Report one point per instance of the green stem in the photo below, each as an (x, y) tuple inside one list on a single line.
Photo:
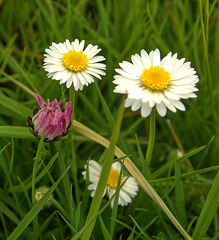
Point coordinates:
[(72, 99), (151, 138)]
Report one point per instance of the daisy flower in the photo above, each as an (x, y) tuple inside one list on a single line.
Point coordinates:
[(127, 191), (149, 81), (70, 63)]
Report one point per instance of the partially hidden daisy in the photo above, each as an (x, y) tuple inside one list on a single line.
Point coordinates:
[(70, 63), (150, 81), (128, 190)]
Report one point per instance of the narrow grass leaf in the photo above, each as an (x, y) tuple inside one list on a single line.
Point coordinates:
[(78, 216), (25, 193), (104, 175), (98, 117), (208, 211), (15, 132), (172, 163), (105, 232), (109, 115), (39, 176), (145, 168), (21, 85), (35, 210), (139, 228), (4, 147), (15, 106), (131, 236), (179, 195), (10, 214), (15, 196), (191, 223), (106, 109), (25, 75), (205, 152), (69, 225), (185, 175), (61, 164)]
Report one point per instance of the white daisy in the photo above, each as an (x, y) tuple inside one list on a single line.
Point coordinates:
[(70, 63), (127, 191), (149, 81)]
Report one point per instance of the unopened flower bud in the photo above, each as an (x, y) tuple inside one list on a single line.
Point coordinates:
[(40, 192), (51, 118)]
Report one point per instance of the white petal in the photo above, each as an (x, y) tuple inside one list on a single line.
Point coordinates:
[(178, 105), (129, 68), (161, 109), (145, 110), (136, 105), (156, 58), (69, 83), (137, 61), (145, 58), (128, 102)]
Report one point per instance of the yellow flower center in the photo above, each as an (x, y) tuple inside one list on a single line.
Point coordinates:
[(155, 78), (113, 178), (75, 61)]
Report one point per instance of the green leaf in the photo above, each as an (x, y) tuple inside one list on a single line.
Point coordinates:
[(131, 236), (15, 106), (105, 232), (172, 163), (139, 228), (5, 210), (208, 211), (77, 216), (15, 132), (179, 195), (104, 175), (35, 210)]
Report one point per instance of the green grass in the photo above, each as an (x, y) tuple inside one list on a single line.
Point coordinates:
[(178, 193)]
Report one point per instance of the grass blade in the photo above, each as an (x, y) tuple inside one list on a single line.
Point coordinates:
[(208, 211), (35, 210)]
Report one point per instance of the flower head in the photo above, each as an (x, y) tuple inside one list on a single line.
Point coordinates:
[(149, 81), (40, 192), (128, 190), (51, 119), (70, 63)]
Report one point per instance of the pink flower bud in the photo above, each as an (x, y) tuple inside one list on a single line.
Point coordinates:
[(51, 119)]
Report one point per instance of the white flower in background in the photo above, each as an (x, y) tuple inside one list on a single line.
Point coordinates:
[(70, 63), (127, 191), (149, 81)]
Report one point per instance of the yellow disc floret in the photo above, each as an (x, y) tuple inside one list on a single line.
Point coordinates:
[(155, 78), (113, 178), (75, 61)]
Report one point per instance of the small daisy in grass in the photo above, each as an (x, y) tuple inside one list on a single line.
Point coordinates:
[(70, 63), (149, 81), (127, 191)]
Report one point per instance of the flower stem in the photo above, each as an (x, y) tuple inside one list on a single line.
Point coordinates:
[(151, 138), (72, 99)]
